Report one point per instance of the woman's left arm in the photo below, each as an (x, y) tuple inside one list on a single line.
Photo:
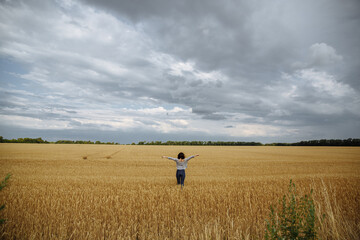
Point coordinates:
[(187, 159)]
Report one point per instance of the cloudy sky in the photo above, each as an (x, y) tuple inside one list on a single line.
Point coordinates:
[(127, 71)]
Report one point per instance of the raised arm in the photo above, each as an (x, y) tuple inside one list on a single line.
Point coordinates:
[(187, 159), (170, 158)]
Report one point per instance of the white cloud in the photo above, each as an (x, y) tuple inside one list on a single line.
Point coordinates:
[(194, 76), (178, 68), (323, 54), (33, 123), (315, 82), (323, 82), (319, 55), (258, 130), (156, 111), (179, 122)]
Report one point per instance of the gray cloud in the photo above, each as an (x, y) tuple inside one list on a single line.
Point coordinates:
[(283, 65)]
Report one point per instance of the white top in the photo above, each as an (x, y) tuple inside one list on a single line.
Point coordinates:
[(181, 165)]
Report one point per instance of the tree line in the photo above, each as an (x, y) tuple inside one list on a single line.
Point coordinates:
[(322, 142), (40, 140), (22, 140), (83, 142), (201, 143)]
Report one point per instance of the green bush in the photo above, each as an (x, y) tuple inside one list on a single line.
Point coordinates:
[(2, 185), (293, 218)]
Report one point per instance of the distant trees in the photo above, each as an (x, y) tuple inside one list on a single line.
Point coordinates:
[(330, 142), (201, 143), (83, 142), (40, 140), (22, 140), (73, 142), (322, 142)]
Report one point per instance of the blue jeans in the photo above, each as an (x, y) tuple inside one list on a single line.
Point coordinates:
[(180, 177)]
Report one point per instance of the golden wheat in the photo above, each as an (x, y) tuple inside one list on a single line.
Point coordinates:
[(130, 192)]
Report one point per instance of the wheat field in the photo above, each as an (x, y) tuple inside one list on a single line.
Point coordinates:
[(130, 192)]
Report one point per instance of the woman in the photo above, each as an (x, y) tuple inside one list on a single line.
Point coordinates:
[(181, 165)]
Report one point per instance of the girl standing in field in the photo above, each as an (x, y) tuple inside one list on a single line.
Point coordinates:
[(181, 165)]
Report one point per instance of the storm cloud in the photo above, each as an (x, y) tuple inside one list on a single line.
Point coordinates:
[(199, 70)]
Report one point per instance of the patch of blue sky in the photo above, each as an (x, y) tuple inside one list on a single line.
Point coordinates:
[(11, 77), (10, 74)]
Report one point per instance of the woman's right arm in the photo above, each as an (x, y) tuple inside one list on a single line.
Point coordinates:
[(170, 158)]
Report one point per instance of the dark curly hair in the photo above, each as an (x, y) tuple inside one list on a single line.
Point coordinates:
[(181, 155)]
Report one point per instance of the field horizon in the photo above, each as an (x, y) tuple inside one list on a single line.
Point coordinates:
[(130, 192)]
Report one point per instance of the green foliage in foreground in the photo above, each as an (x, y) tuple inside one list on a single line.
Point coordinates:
[(2, 185), (293, 218)]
